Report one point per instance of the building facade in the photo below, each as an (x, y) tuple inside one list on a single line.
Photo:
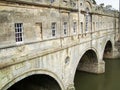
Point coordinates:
[(53, 35), (41, 20)]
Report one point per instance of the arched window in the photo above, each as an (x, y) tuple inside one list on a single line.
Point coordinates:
[(87, 19)]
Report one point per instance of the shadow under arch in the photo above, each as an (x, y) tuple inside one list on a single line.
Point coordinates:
[(108, 50), (88, 62), (35, 76)]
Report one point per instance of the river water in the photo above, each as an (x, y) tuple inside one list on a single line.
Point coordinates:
[(110, 80)]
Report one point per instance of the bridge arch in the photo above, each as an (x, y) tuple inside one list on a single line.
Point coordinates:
[(88, 61), (82, 53), (34, 73), (108, 49)]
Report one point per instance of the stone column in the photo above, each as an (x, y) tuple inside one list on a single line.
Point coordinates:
[(101, 67), (116, 52), (70, 87)]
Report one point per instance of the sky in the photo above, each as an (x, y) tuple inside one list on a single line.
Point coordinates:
[(114, 3)]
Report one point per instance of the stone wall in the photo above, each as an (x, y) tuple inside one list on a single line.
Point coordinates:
[(42, 53)]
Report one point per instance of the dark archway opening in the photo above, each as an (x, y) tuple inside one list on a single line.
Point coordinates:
[(108, 50), (36, 82), (88, 63)]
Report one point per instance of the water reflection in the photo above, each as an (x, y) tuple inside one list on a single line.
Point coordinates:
[(110, 80)]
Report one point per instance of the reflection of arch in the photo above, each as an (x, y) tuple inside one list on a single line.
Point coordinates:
[(34, 72), (108, 49)]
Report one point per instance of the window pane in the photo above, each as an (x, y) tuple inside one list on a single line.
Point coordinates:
[(18, 31), (74, 26), (53, 27), (65, 28)]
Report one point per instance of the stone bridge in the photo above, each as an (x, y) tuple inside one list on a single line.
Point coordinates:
[(59, 62), (54, 59)]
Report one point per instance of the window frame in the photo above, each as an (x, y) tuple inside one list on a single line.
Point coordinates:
[(81, 27), (74, 27), (53, 28), (18, 32), (65, 27)]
